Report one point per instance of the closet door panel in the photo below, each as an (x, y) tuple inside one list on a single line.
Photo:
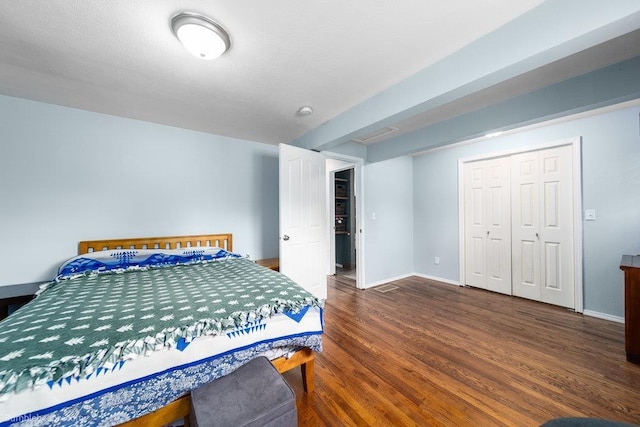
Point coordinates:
[(552, 261), (475, 225), (525, 221), (478, 261), (528, 263), (499, 225), (488, 225), (556, 233)]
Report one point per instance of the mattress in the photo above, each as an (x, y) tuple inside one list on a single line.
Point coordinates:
[(207, 317)]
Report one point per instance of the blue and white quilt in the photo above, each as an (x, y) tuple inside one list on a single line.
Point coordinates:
[(115, 325)]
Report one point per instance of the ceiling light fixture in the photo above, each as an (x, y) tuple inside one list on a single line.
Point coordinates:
[(200, 35)]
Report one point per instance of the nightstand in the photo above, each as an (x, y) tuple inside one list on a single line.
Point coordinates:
[(14, 296), (272, 263)]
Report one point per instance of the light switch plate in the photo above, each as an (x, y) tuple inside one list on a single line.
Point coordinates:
[(590, 215)]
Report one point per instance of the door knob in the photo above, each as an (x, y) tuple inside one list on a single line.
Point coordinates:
[(285, 238)]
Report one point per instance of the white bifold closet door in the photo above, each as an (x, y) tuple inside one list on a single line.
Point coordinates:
[(488, 224), (519, 227), (542, 226)]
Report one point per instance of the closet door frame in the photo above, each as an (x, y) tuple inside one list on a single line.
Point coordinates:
[(576, 148)]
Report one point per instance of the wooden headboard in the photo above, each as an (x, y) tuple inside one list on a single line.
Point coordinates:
[(223, 241)]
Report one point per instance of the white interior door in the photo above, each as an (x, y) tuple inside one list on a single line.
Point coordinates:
[(526, 221), (543, 253), (303, 219), (499, 225), (556, 215), (488, 224), (475, 224)]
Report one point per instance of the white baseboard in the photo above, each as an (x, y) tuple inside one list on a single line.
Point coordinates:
[(590, 313), (437, 279), (404, 276), (382, 282), (604, 316)]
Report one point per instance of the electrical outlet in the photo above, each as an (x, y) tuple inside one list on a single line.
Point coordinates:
[(436, 260)]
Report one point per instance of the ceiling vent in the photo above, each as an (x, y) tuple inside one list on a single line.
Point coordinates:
[(376, 135)]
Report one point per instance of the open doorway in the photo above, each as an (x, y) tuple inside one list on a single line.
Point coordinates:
[(346, 253), (345, 224)]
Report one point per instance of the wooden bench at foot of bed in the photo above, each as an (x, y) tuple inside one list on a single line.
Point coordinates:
[(181, 407)]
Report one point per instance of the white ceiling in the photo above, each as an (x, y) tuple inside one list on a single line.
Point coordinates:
[(120, 57)]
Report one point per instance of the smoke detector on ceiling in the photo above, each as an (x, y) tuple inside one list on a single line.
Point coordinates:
[(305, 111)]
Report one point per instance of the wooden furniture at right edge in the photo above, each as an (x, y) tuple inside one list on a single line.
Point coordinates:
[(631, 266)]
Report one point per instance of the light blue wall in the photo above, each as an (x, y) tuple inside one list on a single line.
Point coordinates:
[(388, 192), (68, 175), (611, 186)]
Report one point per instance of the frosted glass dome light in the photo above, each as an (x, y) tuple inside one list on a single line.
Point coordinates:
[(200, 35)]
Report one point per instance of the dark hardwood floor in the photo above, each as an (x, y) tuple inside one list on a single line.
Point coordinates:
[(429, 353)]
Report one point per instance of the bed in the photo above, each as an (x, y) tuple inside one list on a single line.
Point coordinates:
[(130, 326)]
